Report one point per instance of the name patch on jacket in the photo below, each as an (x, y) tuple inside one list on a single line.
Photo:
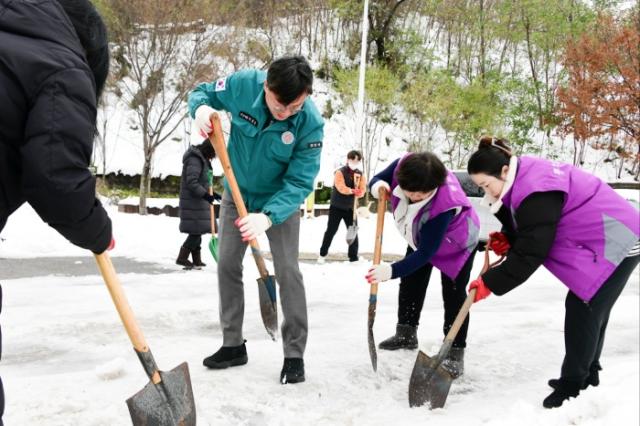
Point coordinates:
[(248, 118), (315, 144)]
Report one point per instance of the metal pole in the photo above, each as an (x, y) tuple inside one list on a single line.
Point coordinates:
[(363, 64)]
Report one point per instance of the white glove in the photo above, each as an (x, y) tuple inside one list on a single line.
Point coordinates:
[(379, 273), (375, 189), (203, 119), (253, 225)]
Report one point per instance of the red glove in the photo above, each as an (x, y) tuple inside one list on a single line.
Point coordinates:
[(482, 291), (499, 243), (358, 192)]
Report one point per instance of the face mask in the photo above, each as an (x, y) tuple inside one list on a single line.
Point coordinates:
[(353, 166)]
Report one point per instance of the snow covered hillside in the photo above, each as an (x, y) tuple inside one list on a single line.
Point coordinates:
[(67, 360)]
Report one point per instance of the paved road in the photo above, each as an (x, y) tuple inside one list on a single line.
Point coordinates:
[(74, 267)]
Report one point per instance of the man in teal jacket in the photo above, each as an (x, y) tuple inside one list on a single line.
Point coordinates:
[(274, 147)]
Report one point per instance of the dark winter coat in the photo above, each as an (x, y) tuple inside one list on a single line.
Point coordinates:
[(195, 217), (47, 122)]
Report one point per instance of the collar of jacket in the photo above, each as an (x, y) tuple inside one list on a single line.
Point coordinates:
[(494, 204)]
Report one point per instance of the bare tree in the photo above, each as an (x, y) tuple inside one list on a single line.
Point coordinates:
[(162, 50)]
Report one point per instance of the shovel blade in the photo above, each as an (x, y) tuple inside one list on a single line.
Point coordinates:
[(352, 233), (430, 382), (167, 403), (373, 354), (213, 247), (268, 304)]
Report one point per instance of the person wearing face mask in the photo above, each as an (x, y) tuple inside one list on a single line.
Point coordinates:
[(579, 228), (54, 61), (433, 214), (274, 148), (342, 199)]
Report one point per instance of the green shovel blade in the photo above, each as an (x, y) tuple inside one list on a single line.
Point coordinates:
[(213, 247)]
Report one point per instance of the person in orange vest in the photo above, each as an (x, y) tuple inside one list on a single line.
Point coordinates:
[(342, 197)]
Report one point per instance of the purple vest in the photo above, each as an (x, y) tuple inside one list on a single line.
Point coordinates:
[(597, 227), (460, 238)]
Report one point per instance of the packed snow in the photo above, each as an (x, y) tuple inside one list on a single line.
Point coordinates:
[(67, 359)]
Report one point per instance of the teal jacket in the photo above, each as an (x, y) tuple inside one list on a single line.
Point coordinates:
[(275, 162)]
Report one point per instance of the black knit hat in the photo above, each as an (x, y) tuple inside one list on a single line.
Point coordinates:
[(92, 33)]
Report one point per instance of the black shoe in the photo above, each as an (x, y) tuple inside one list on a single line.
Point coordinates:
[(292, 371), (406, 337), (183, 258), (592, 380), (563, 392), (227, 356), (197, 259), (454, 362)]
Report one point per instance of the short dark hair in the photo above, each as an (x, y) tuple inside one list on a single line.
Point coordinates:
[(353, 154), (289, 77), (421, 172), (492, 155), (92, 33)]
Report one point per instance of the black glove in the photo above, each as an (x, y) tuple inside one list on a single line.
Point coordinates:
[(211, 198)]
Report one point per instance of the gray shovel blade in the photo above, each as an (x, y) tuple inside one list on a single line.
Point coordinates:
[(373, 354), (352, 233), (430, 382), (168, 403), (268, 304)]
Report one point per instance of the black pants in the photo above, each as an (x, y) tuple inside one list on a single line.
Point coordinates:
[(585, 324), (193, 242), (335, 216), (413, 289)]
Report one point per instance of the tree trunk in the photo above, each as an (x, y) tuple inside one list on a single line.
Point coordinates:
[(145, 184)]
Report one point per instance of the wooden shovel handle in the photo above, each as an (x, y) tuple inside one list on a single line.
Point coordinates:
[(120, 301), (377, 250), (464, 310), (217, 140), (124, 310)]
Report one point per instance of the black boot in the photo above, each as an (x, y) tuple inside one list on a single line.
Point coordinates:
[(406, 337), (592, 380), (197, 260), (292, 371), (183, 258), (227, 356), (454, 362), (564, 390)]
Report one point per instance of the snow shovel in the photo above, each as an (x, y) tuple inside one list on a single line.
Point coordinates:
[(373, 293), (266, 282), (430, 381), (167, 400), (352, 231), (213, 244)]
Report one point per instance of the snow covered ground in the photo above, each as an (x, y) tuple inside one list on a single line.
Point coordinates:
[(67, 360)]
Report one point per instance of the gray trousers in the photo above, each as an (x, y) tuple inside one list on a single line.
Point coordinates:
[(284, 242)]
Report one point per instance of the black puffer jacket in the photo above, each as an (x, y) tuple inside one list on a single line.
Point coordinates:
[(194, 210), (47, 122)]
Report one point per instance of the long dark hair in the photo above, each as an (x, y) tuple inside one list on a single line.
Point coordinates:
[(492, 155), (421, 172)]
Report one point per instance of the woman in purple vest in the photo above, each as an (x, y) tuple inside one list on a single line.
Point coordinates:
[(436, 219), (581, 230)]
